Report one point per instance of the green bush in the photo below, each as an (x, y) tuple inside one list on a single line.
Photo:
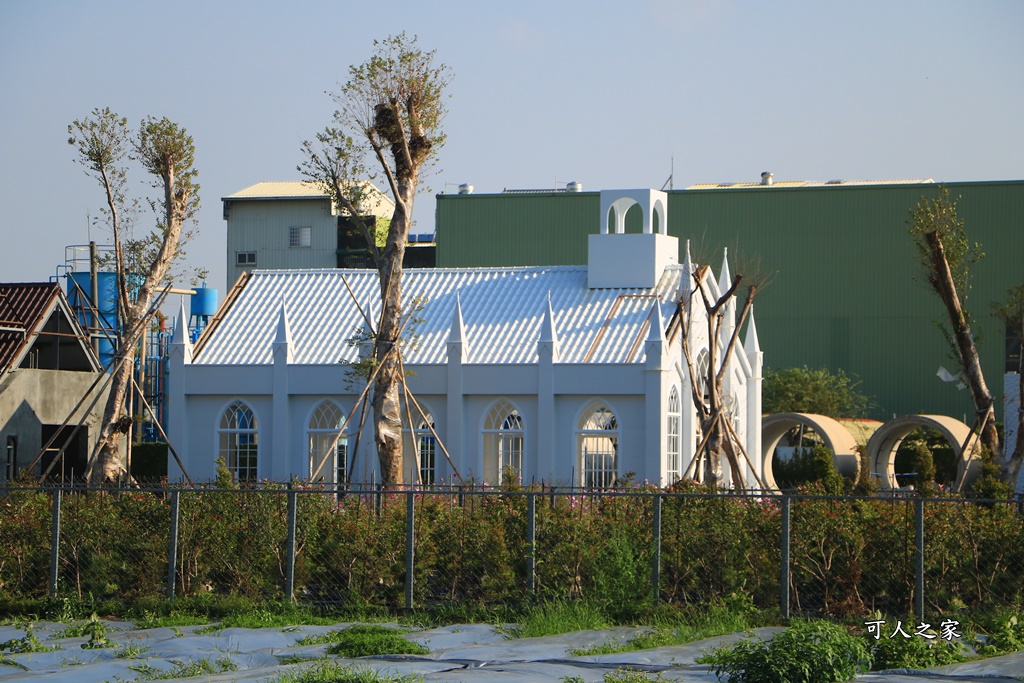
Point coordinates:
[(806, 652)]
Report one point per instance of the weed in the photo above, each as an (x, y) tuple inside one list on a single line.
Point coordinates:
[(198, 667), (329, 672), (10, 661), (912, 653), (553, 618), (97, 632), (131, 651), (28, 643), (73, 661), (806, 652), (371, 640), (630, 676)]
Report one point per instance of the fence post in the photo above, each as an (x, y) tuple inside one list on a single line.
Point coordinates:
[(55, 543), (410, 546), (784, 562), (289, 571), (919, 559), (656, 559), (531, 543), (172, 549)]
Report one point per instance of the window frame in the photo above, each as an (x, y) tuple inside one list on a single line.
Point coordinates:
[(504, 440), (231, 438), (598, 469), (326, 427), (300, 237)]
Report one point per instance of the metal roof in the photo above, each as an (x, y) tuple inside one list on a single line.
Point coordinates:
[(280, 190), (502, 311), (25, 307), (809, 183)]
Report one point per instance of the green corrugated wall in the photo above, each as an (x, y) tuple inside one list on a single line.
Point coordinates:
[(843, 294)]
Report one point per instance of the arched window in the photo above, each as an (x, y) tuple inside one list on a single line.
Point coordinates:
[(423, 443), (703, 365), (238, 441), (598, 446), (503, 442), (328, 445), (672, 429)]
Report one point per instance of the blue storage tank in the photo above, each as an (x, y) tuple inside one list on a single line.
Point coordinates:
[(203, 307), (80, 297)]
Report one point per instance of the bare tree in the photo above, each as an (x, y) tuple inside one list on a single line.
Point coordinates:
[(1011, 312), (718, 437), (946, 255), (165, 151), (389, 117)]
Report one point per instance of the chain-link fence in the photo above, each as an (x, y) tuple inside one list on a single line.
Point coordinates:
[(408, 549)]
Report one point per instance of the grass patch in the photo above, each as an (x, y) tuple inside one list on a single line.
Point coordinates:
[(199, 667), (131, 651), (679, 627), (371, 640), (329, 672), (553, 618)]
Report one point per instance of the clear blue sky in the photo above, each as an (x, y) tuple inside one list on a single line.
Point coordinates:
[(543, 93)]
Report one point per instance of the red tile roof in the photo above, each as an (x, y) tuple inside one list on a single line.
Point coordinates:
[(23, 306)]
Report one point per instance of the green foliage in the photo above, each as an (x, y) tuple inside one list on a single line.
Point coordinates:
[(915, 652), (553, 618), (330, 672), (915, 455), (990, 483), (821, 391), (815, 464), (372, 640), (131, 650), (190, 669), (806, 652), (26, 644), (97, 632), (939, 216), (1006, 636)]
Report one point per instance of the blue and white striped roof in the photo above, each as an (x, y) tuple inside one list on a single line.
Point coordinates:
[(502, 310)]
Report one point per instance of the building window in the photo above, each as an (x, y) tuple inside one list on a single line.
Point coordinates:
[(328, 445), (238, 441), (703, 367), (245, 258), (12, 458), (598, 446), (672, 429), (503, 442), (423, 443), (300, 237)]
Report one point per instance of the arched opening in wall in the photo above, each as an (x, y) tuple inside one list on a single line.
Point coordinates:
[(925, 460), (887, 441), (635, 219), (673, 430)]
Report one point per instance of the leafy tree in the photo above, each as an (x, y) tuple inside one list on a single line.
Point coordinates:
[(947, 255), (821, 391), (389, 115), (166, 151)]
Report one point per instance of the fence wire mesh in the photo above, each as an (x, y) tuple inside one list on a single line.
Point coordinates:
[(803, 554)]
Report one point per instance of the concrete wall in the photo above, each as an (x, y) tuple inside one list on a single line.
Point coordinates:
[(32, 398)]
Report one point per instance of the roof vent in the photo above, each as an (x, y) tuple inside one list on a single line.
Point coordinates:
[(465, 188), (574, 186), (766, 178)]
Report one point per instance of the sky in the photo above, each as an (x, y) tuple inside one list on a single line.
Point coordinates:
[(608, 94)]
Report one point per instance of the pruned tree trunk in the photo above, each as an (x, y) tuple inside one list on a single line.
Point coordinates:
[(387, 416), (942, 281)]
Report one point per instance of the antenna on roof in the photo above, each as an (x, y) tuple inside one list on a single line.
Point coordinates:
[(671, 176)]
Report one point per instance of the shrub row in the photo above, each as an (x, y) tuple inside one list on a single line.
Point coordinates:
[(847, 556)]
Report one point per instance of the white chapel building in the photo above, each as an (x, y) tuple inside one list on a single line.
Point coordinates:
[(566, 375)]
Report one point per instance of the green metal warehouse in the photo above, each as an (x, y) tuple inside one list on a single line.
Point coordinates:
[(845, 293)]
